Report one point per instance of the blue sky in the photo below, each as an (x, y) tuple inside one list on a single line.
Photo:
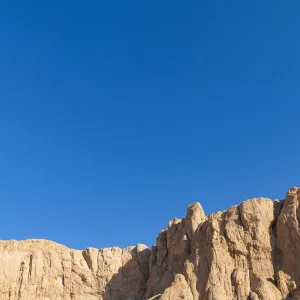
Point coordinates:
[(115, 115)]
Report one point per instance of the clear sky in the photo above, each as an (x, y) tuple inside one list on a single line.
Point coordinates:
[(115, 115)]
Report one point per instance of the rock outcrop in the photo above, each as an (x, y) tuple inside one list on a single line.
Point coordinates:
[(248, 252), (44, 270)]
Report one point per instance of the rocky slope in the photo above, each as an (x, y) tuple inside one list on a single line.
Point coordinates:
[(250, 251)]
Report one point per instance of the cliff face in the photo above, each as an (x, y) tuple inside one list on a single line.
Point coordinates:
[(250, 251), (44, 270)]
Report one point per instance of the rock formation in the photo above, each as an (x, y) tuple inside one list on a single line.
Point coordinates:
[(44, 270), (248, 252)]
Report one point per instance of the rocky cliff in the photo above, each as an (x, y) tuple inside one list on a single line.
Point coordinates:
[(250, 251)]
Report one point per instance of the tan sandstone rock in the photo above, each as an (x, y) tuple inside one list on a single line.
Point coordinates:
[(248, 252), (44, 270)]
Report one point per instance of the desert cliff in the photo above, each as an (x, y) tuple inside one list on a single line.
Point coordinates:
[(250, 251)]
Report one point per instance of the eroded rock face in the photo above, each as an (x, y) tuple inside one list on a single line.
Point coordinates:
[(44, 270), (250, 251)]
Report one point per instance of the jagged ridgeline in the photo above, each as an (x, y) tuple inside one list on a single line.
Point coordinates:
[(250, 251)]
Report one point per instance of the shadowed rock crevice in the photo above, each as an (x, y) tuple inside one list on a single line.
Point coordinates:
[(129, 283)]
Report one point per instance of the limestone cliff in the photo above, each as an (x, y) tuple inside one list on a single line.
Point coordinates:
[(248, 252)]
